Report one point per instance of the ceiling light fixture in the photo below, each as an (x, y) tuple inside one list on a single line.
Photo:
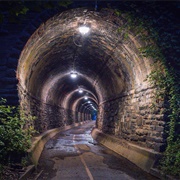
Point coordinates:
[(73, 75), (85, 97), (80, 90), (84, 29)]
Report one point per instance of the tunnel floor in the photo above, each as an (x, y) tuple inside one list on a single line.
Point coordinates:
[(74, 155)]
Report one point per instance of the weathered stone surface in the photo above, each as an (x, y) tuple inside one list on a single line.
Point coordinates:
[(139, 125), (108, 66), (159, 147), (159, 128)]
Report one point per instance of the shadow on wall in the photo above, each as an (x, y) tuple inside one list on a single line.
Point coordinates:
[(48, 116)]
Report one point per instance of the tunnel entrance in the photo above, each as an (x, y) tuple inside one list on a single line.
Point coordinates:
[(110, 72)]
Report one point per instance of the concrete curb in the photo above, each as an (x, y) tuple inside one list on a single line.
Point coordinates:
[(142, 157), (39, 142)]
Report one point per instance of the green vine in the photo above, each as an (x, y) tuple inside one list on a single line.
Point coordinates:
[(165, 77), (15, 10), (16, 131)]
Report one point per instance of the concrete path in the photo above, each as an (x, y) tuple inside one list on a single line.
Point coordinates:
[(74, 155)]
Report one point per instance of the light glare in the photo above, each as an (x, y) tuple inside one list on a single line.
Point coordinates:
[(85, 97), (84, 29), (80, 91), (73, 75)]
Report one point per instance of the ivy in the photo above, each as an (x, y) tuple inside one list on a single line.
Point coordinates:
[(64, 3), (167, 89), (16, 131), (14, 9), (164, 77)]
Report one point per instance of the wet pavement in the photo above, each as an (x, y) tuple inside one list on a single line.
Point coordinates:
[(74, 155)]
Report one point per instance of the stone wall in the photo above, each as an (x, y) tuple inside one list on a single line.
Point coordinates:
[(132, 118), (48, 116), (13, 37), (128, 116)]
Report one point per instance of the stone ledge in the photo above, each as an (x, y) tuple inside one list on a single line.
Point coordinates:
[(142, 157), (39, 142)]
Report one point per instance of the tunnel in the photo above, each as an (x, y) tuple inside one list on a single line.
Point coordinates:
[(110, 71), (101, 72)]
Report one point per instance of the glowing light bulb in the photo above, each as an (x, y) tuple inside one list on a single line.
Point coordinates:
[(73, 75), (80, 90), (85, 97), (84, 29)]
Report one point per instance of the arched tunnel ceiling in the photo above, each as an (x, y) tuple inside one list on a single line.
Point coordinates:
[(106, 64)]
